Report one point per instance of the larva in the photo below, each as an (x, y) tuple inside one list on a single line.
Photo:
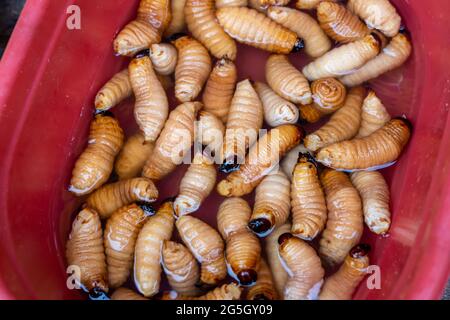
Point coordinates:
[(345, 218), (310, 4), (210, 131), (164, 58), (192, 70), (305, 267), (250, 27), (393, 56), (117, 89), (181, 268), (378, 14), (380, 148), (178, 22), (342, 284), (328, 95), (374, 193), (286, 80), (310, 113), (151, 106), (262, 158), (290, 160), (225, 292), (147, 264), (233, 216), (306, 28), (272, 204), (206, 245), (126, 294), (374, 115), (113, 196), (203, 25), (219, 89), (343, 60), (231, 3), (120, 235), (95, 164), (152, 19), (277, 111), (196, 185), (174, 141), (132, 157), (309, 209), (264, 287), (343, 125), (85, 250)]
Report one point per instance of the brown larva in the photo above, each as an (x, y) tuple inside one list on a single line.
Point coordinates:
[(310, 113), (210, 131), (230, 3), (132, 157), (178, 22), (374, 115), (117, 89), (309, 4), (264, 288), (225, 292), (164, 58), (328, 95), (126, 294), (290, 160)]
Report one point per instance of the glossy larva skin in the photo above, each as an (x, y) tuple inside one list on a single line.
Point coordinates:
[(126, 294), (117, 89), (225, 292), (111, 197), (328, 95), (95, 164), (233, 216), (230, 3), (286, 80), (132, 157), (85, 250), (210, 131), (264, 288), (290, 160), (374, 115), (178, 22), (310, 4), (310, 113), (164, 58)]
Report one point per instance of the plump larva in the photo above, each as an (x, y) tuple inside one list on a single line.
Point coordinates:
[(132, 157), (328, 95), (342, 284), (225, 292), (272, 203), (392, 57), (378, 14), (290, 160), (117, 89), (340, 23), (192, 70), (374, 193), (250, 27), (126, 294), (374, 115), (277, 111), (306, 28), (345, 217), (174, 141), (343, 125), (95, 164), (305, 267), (147, 261), (210, 131), (196, 185), (113, 196), (263, 5), (233, 216), (151, 107), (286, 80), (230, 3), (219, 89), (181, 268), (309, 209), (310, 113), (178, 22), (378, 149), (206, 245), (343, 60), (152, 19), (120, 235), (203, 25), (264, 288), (309, 4), (85, 250), (262, 158), (164, 58)]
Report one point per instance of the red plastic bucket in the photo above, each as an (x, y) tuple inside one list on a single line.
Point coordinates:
[(50, 75)]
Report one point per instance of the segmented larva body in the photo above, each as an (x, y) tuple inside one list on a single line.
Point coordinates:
[(277, 111), (374, 115), (374, 193), (178, 22), (174, 141), (132, 157), (192, 70), (310, 4), (286, 80), (203, 25), (147, 261), (250, 27), (345, 217), (152, 19), (306, 28), (231, 3), (126, 294), (219, 89), (290, 160), (378, 14), (181, 268), (233, 216), (343, 125), (210, 131), (263, 5), (264, 287), (262, 158), (151, 107), (113, 196), (85, 250), (95, 164), (342, 284), (206, 245), (164, 58), (196, 185), (117, 89), (328, 95), (225, 292), (343, 60), (120, 236), (310, 113), (392, 56), (303, 262), (380, 148)]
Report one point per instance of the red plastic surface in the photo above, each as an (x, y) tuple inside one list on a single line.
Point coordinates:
[(50, 75)]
